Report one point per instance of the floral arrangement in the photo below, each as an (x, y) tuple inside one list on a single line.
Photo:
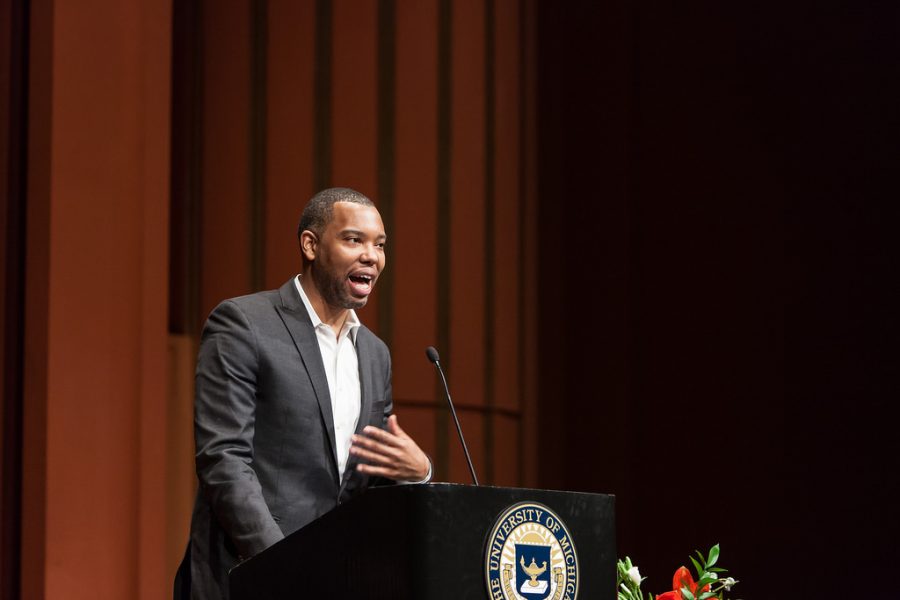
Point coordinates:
[(684, 587)]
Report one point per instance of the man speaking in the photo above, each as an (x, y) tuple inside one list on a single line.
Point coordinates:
[(293, 399)]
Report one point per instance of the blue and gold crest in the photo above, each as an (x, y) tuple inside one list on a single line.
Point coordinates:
[(532, 570), (530, 555)]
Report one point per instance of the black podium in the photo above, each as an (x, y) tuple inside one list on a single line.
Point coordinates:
[(444, 541)]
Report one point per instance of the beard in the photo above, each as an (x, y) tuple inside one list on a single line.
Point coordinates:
[(334, 292)]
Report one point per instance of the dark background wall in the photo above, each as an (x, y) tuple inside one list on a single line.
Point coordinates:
[(718, 218), (670, 225), (12, 167)]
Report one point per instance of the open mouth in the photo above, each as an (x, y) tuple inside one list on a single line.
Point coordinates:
[(361, 283)]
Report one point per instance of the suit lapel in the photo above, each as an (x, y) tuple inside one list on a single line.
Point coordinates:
[(294, 316), (366, 392), (365, 398)]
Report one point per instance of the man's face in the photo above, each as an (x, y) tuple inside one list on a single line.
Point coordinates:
[(349, 255)]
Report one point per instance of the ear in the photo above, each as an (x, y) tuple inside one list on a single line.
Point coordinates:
[(308, 245)]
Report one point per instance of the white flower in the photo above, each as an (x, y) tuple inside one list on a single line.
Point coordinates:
[(728, 582), (635, 575)]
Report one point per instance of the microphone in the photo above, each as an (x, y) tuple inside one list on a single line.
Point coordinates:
[(432, 355)]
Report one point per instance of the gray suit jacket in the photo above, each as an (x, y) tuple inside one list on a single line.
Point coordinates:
[(265, 433)]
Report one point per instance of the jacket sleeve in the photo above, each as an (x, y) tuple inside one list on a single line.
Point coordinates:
[(224, 418)]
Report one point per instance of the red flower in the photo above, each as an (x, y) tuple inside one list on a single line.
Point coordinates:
[(682, 579)]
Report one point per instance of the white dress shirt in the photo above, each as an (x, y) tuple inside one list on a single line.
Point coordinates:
[(342, 371)]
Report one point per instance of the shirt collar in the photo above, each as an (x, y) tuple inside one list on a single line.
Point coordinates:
[(351, 324)]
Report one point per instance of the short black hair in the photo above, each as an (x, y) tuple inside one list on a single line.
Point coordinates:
[(320, 208)]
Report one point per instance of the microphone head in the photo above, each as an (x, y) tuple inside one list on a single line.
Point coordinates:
[(432, 354)]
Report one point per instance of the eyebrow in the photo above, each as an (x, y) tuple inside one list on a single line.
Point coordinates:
[(360, 233)]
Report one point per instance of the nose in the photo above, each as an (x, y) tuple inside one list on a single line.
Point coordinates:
[(369, 254)]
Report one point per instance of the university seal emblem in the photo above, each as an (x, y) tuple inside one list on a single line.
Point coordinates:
[(530, 555)]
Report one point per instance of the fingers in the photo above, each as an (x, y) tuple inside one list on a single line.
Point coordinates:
[(394, 427), (375, 454), (378, 471), (385, 465), (377, 441), (391, 453), (379, 435), (366, 447)]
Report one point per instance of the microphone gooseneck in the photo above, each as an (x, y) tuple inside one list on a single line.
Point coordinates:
[(434, 358)]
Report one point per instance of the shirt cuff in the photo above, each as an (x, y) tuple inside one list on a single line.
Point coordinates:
[(427, 477)]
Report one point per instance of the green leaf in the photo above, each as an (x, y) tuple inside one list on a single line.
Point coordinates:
[(718, 570), (626, 594), (697, 566), (686, 594), (706, 595), (713, 555)]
